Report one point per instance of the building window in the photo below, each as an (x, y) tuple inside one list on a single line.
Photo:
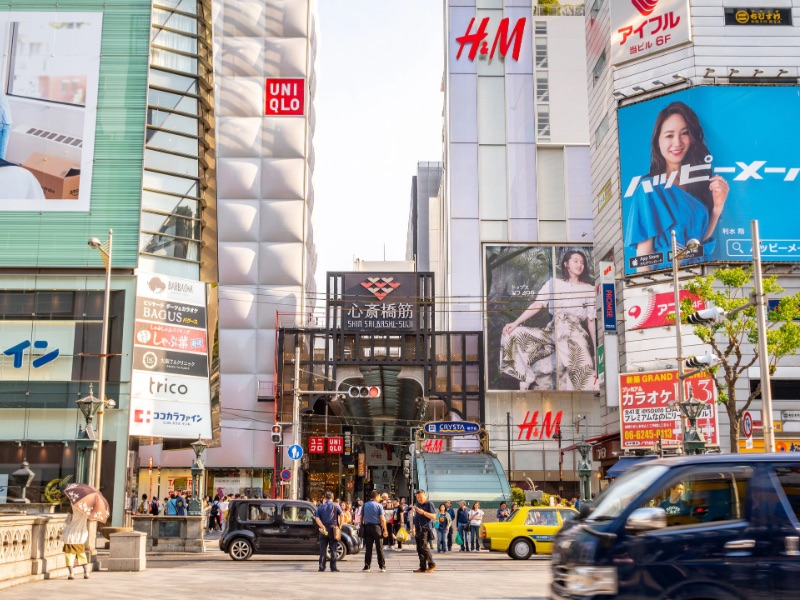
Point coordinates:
[(542, 86), (596, 8), (540, 28), (541, 52), (543, 121), (599, 66)]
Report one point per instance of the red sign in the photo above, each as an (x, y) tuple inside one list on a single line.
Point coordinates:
[(335, 445), (648, 406), (170, 337), (316, 445), (433, 445), (652, 310), (285, 97), (477, 41), (531, 428), (362, 464)]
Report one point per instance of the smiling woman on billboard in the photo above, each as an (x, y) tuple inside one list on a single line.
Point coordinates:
[(674, 198)]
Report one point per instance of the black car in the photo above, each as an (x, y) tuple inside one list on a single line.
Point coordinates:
[(278, 527), (710, 527)]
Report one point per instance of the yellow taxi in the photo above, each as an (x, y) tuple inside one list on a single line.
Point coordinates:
[(529, 530)]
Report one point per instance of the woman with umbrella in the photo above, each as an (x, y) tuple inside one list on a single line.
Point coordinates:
[(87, 504)]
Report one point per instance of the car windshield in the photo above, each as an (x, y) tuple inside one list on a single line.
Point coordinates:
[(624, 490)]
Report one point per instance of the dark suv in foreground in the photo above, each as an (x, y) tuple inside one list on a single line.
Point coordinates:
[(277, 527), (710, 527)]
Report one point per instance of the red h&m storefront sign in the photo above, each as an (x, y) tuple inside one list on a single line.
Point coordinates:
[(478, 43), (285, 97)]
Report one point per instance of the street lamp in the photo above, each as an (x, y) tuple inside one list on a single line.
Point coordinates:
[(585, 470), (105, 253), (693, 442), (196, 504), (557, 436), (86, 443), (677, 256)]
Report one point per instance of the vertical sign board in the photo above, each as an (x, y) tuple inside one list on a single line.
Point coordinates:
[(649, 412), (170, 396), (608, 298), (380, 301), (642, 27), (285, 97)]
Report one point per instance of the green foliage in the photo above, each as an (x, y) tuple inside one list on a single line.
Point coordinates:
[(731, 289), (518, 495), (544, 501)]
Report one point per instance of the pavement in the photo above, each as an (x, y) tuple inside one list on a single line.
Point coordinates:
[(477, 576)]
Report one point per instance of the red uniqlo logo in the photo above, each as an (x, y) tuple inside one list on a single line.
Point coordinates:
[(335, 445), (285, 97), (316, 445)]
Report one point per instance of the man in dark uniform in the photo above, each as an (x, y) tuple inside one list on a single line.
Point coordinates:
[(422, 530), (328, 516)]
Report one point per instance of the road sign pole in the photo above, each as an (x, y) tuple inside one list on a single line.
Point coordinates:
[(296, 436)]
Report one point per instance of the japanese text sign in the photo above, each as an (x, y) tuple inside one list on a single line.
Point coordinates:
[(380, 301), (285, 97), (335, 445), (652, 309), (649, 410), (316, 445), (642, 27)]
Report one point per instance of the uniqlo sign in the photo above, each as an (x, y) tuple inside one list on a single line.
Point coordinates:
[(285, 97), (316, 445), (643, 27), (335, 445)]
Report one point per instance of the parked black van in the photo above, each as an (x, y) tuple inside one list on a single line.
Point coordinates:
[(278, 527), (708, 527)]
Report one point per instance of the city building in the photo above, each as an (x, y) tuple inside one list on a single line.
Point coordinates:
[(514, 208), (710, 67)]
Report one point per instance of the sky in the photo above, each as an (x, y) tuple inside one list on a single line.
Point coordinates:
[(379, 112)]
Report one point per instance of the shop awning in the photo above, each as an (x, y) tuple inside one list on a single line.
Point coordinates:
[(625, 463)]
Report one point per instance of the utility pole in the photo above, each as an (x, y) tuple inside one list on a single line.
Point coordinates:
[(294, 484), (763, 356), (508, 445)]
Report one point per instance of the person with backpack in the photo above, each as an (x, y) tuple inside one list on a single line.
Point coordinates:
[(143, 505), (154, 507), (180, 505), (214, 519)]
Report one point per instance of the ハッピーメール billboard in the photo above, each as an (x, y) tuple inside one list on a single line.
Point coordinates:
[(540, 318), (704, 162), (48, 109)]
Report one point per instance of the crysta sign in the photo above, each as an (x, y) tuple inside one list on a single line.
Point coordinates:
[(452, 428), (479, 44)]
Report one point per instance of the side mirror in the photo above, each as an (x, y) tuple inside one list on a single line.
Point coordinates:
[(585, 509), (646, 519)]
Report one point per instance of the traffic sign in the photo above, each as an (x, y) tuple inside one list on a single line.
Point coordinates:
[(286, 474), (747, 425), (295, 451)]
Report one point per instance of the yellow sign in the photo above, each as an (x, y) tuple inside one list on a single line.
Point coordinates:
[(742, 16), (782, 445)]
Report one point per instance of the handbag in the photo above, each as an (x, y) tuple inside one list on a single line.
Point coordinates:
[(459, 539), (337, 533)]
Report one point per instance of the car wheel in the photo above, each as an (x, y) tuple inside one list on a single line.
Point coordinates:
[(341, 551), (520, 549), (240, 549)]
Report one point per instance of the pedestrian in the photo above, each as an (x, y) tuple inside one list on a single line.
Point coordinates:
[(347, 515), (74, 536), (475, 520), (329, 515), (422, 529), (180, 505), (172, 506), (451, 531), (164, 506), (375, 530), (399, 521), (143, 505), (388, 507), (223, 510), (462, 524), (514, 506), (358, 513), (155, 508), (502, 512), (443, 522)]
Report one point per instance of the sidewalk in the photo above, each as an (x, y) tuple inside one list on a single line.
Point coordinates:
[(214, 574)]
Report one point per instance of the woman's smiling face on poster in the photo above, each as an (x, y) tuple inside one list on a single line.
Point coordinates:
[(674, 141), (575, 265)]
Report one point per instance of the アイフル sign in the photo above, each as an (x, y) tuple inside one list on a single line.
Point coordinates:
[(643, 27)]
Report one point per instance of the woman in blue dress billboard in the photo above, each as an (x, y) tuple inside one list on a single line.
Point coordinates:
[(679, 193)]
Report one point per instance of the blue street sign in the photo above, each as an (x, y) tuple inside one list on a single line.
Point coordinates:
[(452, 428), (286, 475), (295, 451)]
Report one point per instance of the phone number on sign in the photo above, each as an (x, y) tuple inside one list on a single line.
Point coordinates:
[(648, 434)]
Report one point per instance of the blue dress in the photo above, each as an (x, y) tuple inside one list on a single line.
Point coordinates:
[(656, 214)]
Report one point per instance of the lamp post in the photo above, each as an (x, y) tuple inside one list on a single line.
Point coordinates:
[(198, 468), (105, 252), (693, 442), (557, 436), (677, 256), (87, 440)]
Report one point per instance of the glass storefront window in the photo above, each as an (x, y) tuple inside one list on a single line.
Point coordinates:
[(170, 162)]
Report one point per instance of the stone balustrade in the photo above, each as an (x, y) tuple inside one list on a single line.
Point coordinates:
[(30, 546), (170, 533)]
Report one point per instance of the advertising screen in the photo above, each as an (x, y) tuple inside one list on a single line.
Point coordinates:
[(540, 318), (649, 412), (705, 162), (48, 109)]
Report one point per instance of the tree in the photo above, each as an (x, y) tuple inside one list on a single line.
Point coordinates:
[(729, 336)]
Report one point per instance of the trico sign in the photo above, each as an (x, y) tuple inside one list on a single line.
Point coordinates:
[(479, 45)]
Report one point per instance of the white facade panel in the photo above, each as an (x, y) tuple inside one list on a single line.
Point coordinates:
[(239, 96), (281, 264), (239, 178), (236, 351), (243, 19), (286, 19), (459, 19), (285, 57), (240, 310), (462, 169), (521, 180), (283, 178), (239, 137), (238, 263), (463, 108), (242, 55), (520, 121), (491, 110), (283, 137), (238, 221), (282, 221), (492, 182)]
